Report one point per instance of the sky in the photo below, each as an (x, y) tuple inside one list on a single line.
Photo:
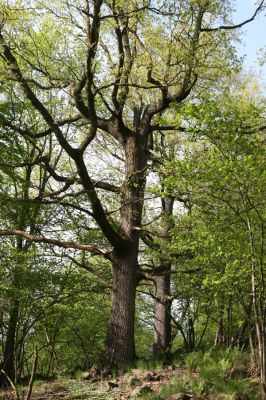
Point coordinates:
[(254, 34)]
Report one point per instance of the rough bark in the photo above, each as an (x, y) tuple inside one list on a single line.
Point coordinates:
[(119, 346), (162, 317)]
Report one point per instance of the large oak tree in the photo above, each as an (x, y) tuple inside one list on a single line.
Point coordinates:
[(104, 70)]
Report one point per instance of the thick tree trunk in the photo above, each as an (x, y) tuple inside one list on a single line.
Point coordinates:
[(119, 347), (162, 317), (8, 363)]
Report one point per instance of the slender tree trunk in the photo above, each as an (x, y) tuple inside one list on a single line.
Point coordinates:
[(254, 357), (191, 335), (263, 366), (262, 357), (259, 312), (219, 338), (8, 363), (228, 334)]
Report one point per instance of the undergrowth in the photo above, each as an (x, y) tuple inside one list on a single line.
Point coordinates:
[(206, 376)]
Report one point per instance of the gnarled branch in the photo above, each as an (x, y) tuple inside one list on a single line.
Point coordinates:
[(55, 242)]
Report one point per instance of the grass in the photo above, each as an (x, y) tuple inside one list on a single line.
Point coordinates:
[(167, 390), (69, 390), (212, 375), (149, 364), (206, 377)]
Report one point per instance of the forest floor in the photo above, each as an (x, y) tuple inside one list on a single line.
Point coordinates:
[(168, 383)]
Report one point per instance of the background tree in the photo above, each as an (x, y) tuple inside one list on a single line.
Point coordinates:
[(222, 169)]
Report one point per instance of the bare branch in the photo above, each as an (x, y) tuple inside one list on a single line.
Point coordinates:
[(29, 132), (232, 27), (109, 187), (55, 242), (29, 163)]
